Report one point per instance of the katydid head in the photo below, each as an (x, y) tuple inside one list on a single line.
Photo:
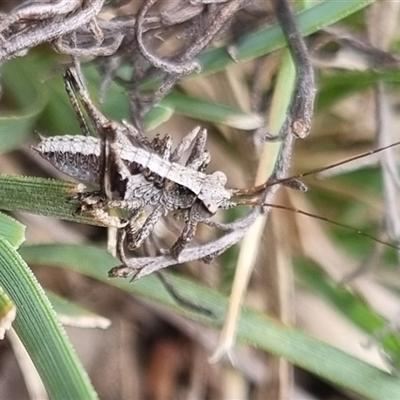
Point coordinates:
[(213, 193)]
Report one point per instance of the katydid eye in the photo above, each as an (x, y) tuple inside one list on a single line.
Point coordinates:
[(210, 206)]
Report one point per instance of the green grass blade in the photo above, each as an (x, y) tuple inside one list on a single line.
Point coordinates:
[(349, 305), (12, 230), (334, 87), (46, 197), (7, 312), (211, 111), (264, 41), (255, 328), (37, 326), (159, 114)]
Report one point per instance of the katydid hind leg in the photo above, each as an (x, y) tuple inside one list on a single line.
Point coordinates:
[(184, 144), (74, 82)]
